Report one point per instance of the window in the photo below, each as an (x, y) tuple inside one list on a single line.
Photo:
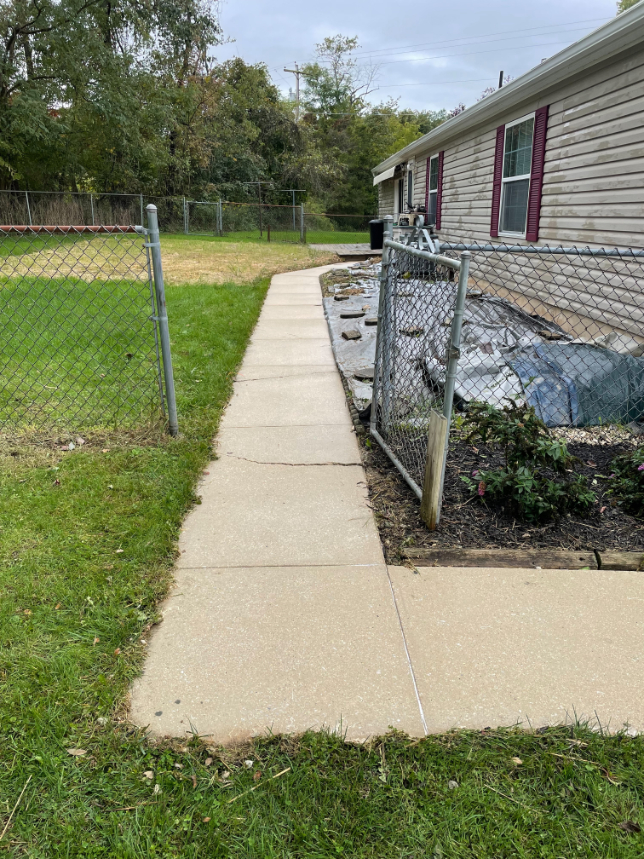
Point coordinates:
[(432, 195), (410, 189), (515, 185)]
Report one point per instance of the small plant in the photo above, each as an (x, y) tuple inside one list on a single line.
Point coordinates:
[(529, 449), (628, 486)]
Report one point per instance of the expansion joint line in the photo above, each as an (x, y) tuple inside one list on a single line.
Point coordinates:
[(296, 464)]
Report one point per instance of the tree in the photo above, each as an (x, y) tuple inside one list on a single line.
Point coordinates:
[(623, 5)]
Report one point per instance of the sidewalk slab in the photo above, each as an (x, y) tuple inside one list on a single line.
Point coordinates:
[(286, 649), (289, 352), (282, 371), (294, 445), (291, 401), (290, 329), (495, 647), (277, 515), (293, 311)]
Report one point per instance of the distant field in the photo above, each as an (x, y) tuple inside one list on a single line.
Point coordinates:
[(313, 237)]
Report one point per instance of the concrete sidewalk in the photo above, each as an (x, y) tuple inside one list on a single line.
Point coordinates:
[(284, 616)]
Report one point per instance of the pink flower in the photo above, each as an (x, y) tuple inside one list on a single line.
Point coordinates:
[(641, 468), (481, 489), (474, 473)]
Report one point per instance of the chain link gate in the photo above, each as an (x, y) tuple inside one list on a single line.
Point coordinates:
[(83, 319), (419, 316)]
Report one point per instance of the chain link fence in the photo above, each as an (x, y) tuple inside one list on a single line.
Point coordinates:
[(561, 329), (421, 295), (81, 328)]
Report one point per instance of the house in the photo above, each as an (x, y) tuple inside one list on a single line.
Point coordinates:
[(556, 157)]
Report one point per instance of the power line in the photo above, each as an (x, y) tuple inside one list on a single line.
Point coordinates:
[(471, 53), (403, 48)]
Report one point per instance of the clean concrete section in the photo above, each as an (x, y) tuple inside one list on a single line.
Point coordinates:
[(282, 649), (282, 616), (494, 647)]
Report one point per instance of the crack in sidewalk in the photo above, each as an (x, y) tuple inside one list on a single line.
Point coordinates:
[(294, 464)]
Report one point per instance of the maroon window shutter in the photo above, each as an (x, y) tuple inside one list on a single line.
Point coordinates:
[(498, 180), (427, 187), (439, 190), (536, 173)]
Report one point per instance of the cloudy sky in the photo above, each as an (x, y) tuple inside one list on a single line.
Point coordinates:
[(430, 55)]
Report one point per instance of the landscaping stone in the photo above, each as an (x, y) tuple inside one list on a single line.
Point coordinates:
[(341, 297), (352, 334), (371, 320), (352, 314)]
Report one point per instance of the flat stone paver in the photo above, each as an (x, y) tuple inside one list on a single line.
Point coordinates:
[(282, 616), (496, 647)]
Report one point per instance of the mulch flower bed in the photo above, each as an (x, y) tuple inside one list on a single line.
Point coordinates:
[(472, 523)]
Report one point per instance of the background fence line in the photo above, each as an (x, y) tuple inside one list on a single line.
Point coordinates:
[(176, 214)]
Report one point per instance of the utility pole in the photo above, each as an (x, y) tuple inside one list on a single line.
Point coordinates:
[(296, 71)]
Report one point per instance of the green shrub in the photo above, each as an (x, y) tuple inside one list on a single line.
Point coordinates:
[(521, 486), (628, 486)]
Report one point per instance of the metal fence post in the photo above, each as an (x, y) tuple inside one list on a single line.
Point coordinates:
[(220, 218), (28, 208), (302, 225), (91, 203), (186, 227), (386, 253), (141, 201), (162, 316)]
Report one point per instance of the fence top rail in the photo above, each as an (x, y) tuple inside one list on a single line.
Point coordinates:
[(74, 230), (532, 249), (425, 255)]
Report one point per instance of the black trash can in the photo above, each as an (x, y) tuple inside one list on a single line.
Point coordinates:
[(377, 234)]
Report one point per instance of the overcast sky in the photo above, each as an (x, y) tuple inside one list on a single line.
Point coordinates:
[(431, 55)]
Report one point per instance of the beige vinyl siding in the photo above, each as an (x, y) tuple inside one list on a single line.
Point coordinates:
[(593, 194), (386, 197)]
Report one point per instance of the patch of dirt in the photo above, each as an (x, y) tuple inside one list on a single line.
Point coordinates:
[(472, 523)]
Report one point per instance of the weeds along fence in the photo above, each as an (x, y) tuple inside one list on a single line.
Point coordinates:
[(561, 329), (266, 221), (84, 342)]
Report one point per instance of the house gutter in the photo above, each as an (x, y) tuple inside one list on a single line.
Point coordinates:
[(622, 33)]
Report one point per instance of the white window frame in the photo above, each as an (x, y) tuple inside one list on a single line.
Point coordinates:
[(432, 158), (523, 177)]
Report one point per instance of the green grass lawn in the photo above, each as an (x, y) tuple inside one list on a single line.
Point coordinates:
[(87, 541), (313, 237)]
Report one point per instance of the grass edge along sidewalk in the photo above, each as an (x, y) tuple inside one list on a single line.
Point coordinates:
[(86, 552)]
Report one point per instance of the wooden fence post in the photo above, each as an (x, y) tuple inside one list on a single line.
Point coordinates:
[(433, 480)]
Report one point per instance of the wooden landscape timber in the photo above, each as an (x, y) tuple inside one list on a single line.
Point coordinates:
[(545, 559)]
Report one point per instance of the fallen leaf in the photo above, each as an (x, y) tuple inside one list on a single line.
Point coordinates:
[(208, 761), (80, 440), (591, 463), (72, 446), (57, 606), (248, 764), (28, 612), (157, 788), (76, 753), (117, 651), (194, 781), (601, 510), (517, 761), (178, 766), (119, 551), (452, 785), (149, 774), (225, 774), (105, 450), (630, 826), (257, 776), (57, 482), (206, 820), (96, 640)]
